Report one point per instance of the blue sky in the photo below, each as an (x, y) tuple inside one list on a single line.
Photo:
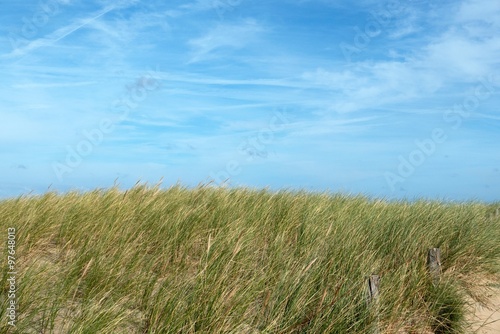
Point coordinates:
[(391, 99)]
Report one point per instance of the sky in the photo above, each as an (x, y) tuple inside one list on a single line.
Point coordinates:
[(389, 99)]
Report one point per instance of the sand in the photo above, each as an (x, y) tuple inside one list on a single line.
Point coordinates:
[(486, 320)]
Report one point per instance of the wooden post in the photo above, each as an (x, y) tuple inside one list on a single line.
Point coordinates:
[(373, 300), (434, 263), (373, 287)]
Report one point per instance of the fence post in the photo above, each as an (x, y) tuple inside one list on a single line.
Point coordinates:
[(373, 300), (434, 263)]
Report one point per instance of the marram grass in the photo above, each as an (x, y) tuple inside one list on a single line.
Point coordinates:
[(212, 260)]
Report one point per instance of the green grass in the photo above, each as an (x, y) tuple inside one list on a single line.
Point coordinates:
[(211, 260)]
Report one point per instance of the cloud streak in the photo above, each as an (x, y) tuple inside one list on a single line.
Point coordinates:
[(225, 36)]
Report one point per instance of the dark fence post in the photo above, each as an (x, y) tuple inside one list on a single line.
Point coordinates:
[(434, 263), (373, 301)]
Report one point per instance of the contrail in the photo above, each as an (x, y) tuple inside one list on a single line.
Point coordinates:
[(104, 11), (48, 41)]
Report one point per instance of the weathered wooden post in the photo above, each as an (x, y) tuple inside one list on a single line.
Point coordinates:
[(373, 301), (434, 264)]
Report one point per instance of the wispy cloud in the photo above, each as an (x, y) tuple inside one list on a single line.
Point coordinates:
[(479, 10), (225, 36), (369, 86), (199, 5), (53, 85)]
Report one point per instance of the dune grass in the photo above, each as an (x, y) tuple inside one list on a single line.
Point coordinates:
[(212, 260)]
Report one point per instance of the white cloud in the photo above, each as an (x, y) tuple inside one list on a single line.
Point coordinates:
[(470, 47), (466, 50), (457, 56), (480, 10), (408, 22), (368, 85)]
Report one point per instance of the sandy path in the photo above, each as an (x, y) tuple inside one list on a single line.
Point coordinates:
[(487, 320)]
